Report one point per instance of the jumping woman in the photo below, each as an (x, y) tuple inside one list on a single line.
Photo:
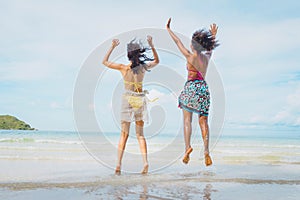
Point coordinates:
[(134, 102), (195, 97)]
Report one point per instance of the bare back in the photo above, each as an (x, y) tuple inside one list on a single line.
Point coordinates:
[(197, 62), (134, 81)]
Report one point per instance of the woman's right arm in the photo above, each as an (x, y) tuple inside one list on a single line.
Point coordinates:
[(111, 64), (213, 31), (177, 41)]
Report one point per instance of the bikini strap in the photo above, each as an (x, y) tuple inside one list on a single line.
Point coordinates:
[(135, 84), (198, 73)]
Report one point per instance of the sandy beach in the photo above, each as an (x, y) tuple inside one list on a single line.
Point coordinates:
[(57, 166), (253, 182)]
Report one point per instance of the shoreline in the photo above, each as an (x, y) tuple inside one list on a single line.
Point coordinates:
[(96, 175), (17, 186), (154, 186)]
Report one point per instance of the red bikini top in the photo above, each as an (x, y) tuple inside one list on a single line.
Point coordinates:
[(199, 75)]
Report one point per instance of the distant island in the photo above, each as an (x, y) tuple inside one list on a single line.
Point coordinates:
[(8, 122)]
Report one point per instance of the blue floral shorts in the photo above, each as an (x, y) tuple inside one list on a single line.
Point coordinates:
[(195, 97)]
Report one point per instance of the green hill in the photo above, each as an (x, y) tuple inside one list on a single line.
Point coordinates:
[(10, 122)]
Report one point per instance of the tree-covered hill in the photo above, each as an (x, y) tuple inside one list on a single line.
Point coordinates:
[(10, 122)]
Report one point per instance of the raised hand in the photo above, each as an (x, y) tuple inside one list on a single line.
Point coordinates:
[(213, 29), (115, 42), (149, 39), (169, 22)]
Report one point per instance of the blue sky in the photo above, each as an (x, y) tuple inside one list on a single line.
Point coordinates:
[(43, 45)]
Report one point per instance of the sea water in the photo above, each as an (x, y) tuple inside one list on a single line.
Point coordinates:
[(32, 160)]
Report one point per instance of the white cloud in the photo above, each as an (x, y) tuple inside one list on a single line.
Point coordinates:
[(27, 70), (257, 119), (297, 122), (161, 98), (281, 117), (284, 114), (259, 40), (91, 107), (291, 111), (66, 105), (55, 105), (258, 69), (293, 100)]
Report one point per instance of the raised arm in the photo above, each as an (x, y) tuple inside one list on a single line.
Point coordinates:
[(213, 31), (178, 42), (155, 55), (107, 63)]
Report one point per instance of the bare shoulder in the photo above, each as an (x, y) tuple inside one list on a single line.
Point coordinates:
[(125, 68), (192, 59)]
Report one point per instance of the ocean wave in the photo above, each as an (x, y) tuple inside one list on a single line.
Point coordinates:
[(56, 158), (262, 159), (32, 140), (43, 148), (11, 140), (220, 145)]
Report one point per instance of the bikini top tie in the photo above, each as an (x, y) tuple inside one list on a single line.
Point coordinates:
[(136, 85), (198, 77)]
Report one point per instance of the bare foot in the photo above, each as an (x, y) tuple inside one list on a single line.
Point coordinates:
[(186, 157), (208, 160), (145, 169), (118, 170)]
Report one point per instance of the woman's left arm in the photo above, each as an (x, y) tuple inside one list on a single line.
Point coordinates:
[(155, 55), (213, 31)]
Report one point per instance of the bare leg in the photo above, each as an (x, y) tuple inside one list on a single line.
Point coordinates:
[(203, 123), (187, 126), (122, 145), (139, 128)]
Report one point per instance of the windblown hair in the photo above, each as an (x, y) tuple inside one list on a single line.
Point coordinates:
[(203, 41), (136, 53)]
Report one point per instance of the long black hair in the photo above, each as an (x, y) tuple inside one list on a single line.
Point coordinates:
[(203, 41), (136, 53)]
